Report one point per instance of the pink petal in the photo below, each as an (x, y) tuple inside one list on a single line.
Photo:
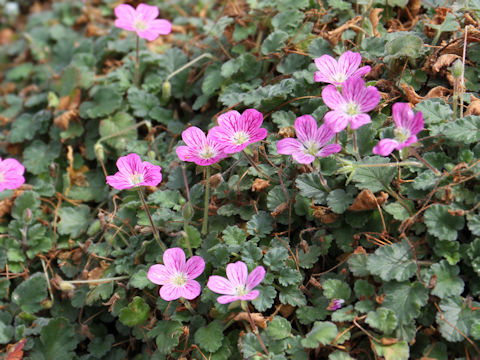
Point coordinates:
[(220, 285), (174, 260), (258, 135), (411, 140), (194, 137), (124, 24), (329, 150), (303, 158), (288, 146), (370, 99), (237, 273), (147, 12), (125, 12), (250, 121), (255, 277), (385, 147), (159, 274), (327, 67), (224, 136), (324, 134), (354, 90), (152, 175), (336, 120), (225, 299), (130, 164), (161, 26), (194, 267), (190, 290), (306, 128), (169, 292), (349, 62), (332, 98), (250, 296), (11, 174), (359, 120), (119, 181), (417, 123), (362, 71), (148, 34), (229, 120), (185, 153)]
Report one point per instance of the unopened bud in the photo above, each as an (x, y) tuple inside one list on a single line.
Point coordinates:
[(187, 211), (27, 215), (151, 155), (457, 68), (99, 152), (47, 304), (66, 286), (53, 100), (166, 90)]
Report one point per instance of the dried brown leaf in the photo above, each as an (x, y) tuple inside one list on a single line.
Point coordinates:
[(473, 108), (260, 184), (334, 36), (444, 61), (257, 318), (374, 17), (63, 120), (438, 92), (366, 200), (412, 96), (287, 132)]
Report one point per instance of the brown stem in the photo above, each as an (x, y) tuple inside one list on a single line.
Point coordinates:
[(255, 330), (424, 162), (154, 229)]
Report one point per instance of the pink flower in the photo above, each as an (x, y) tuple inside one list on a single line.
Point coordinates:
[(142, 20), (200, 149), (177, 276), (350, 106), (407, 124), (132, 172), (335, 304), (336, 73), (311, 141), (237, 131), (11, 174), (240, 283)]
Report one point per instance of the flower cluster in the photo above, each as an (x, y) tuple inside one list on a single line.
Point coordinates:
[(177, 278), (233, 134)]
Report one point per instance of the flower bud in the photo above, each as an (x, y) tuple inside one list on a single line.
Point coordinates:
[(166, 90), (99, 152), (457, 68), (27, 216), (66, 286), (187, 211)]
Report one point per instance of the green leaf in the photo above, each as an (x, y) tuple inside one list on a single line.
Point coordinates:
[(397, 351), (322, 333), (142, 102), (392, 262), (260, 224), (213, 79), (194, 237), (27, 200), (405, 299), (407, 45), (448, 282), (292, 295), (310, 186), (57, 340), (289, 276), (358, 264), (275, 258), (434, 111), (168, 333), (308, 259), (397, 210), (383, 320), (456, 313), (339, 200), (100, 346), (234, 236), (336, 289), (449, 24), (363, 288), (274, 42), (6, 333), (116, 124), (73, 220), (38, 156), (210, 337), (473, 223), (266, 297), (339, 355), (139, 279), (374, 178), (30, 293), (104, 101), (466, 130), (441, 224), (279, 328), (136, 313)]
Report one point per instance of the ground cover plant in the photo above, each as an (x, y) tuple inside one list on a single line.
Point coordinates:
[(258, 179)]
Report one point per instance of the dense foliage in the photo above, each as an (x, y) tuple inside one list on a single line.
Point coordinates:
[(383, 258)]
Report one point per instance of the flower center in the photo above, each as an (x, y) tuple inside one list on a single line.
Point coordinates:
[(240, 137), (311, 148), (136, 178), (179, 279), (352, 109), (339, 77), (401, 134), (1, 177), (207, 152), (140, 25), (241, 290)]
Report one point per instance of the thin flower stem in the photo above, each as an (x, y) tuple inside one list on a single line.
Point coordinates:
[(250, 160), (323, 181), (425, 162), (207, 201), (154, 229), (187, 305), (137, 65), (356, 153), (403, 163), (92, 281), (462, 89), (255, 330), (190, 63)]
